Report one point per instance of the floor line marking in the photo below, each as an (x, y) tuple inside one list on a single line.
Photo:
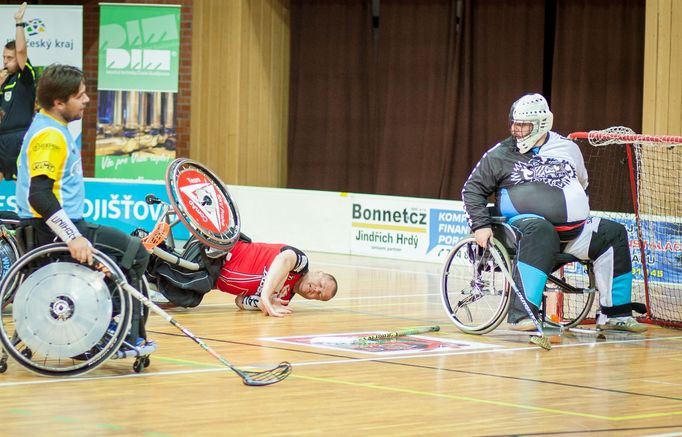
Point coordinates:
[(485, 401), (206, 367)]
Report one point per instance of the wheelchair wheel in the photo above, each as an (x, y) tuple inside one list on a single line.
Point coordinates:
[(575, 297), (9, 254), (203, 204), (9, 251), (474, 291), (66, 318)]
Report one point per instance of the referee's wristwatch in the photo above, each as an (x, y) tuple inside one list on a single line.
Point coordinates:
[(22, 24)]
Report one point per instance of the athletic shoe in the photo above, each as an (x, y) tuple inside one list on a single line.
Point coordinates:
[(622, 324), (160, 300), (157, 297), (524, 325)]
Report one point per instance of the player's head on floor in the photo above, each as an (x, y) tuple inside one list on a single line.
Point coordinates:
[(317, 285)]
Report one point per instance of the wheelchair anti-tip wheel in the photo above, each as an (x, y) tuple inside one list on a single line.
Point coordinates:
[(474, 291), (203, 204), (66, 318)]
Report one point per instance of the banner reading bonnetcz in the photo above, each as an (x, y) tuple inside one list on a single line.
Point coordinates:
[(139, 47)]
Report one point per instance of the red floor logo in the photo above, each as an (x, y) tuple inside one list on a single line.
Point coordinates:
[(409, 344)]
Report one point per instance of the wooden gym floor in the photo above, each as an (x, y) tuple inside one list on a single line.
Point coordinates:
[(447, 383)]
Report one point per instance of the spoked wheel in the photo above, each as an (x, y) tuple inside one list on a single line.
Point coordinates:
[(474, 292), (66, 318), (575, 299), (9, 254), (202, 202)]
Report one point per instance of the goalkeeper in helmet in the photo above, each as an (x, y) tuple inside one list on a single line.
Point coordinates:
[(539, 180)]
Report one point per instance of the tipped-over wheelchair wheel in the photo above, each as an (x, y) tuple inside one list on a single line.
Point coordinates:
[(203, 204), (66, 318), (474, 291)]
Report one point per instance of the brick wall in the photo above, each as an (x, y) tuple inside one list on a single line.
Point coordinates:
[(90, 60)]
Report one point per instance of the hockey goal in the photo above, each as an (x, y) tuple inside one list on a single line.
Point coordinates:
[(636, 180)]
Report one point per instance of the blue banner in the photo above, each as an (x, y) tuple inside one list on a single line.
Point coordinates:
[(662, 249), (446, 227), (119, 204)]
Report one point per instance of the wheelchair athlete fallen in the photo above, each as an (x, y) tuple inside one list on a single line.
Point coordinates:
[(249, 271)]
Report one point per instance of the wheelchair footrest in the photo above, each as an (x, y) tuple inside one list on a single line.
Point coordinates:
[(128, 351)]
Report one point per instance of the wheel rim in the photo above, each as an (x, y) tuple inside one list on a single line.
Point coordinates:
[(203, 203), (474, 293), (63, 307)]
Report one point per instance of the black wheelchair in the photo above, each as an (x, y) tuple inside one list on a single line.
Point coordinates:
[(477, 295), (9, 248), (68, 318)]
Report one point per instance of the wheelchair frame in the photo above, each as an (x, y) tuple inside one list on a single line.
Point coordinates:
[(59, 332), (38, 340), (477, 296)]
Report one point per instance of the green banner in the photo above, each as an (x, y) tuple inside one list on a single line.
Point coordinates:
[(139, 47), (138, 83)]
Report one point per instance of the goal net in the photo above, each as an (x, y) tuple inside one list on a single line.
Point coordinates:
[(636, 180)]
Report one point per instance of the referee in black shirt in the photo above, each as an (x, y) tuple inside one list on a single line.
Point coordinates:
[(17, 98)]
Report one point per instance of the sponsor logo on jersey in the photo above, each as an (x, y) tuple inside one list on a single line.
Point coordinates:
[(549, 171)]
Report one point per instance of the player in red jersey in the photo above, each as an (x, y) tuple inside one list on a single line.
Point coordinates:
[(263, 277), (267, 276)]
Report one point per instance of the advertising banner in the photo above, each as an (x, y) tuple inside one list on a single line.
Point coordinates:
[(662, 247), (139, 47), (357, 224), (138, 83), (54, 34), (120, 204), (417, 229)]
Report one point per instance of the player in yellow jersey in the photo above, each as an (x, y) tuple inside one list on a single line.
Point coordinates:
[(50, 190)]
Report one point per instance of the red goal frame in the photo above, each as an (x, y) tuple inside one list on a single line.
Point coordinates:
[(625, 136)]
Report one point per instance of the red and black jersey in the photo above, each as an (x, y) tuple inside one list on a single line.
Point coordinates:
[(247, 265)]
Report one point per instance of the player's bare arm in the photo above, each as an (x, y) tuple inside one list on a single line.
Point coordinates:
[(277, 275), (20, 37)]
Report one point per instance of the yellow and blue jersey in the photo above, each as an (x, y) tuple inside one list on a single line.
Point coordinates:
[(49, 150)]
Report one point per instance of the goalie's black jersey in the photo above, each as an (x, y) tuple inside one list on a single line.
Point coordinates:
[(550, 183)]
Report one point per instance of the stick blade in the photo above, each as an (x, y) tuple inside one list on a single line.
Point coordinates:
[(543, 342), (265, 377)]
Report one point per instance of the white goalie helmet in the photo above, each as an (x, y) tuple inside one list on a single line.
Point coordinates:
[(531, 108)]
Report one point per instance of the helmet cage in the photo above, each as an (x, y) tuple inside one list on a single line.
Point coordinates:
[(533, 109)]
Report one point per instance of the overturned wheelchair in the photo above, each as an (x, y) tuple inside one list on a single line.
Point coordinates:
[(476, 289), (68, 318)]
